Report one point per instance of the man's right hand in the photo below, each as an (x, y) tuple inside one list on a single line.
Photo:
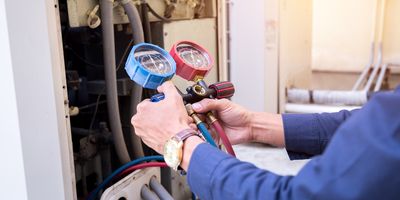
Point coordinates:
[(242, 125), (233, 118)]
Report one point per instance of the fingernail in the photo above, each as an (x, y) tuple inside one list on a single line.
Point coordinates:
[(196, 106)]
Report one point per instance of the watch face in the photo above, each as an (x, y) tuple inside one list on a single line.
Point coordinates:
[(173, 153)]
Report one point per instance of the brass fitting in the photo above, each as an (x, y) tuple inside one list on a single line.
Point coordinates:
[(191, 113), (189, 109), (211, 117), (196, 119)]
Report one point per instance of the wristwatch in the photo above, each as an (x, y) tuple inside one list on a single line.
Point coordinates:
[(173, 148)]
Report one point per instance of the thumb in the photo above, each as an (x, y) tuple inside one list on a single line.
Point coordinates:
[(206, 105), (168, 88)]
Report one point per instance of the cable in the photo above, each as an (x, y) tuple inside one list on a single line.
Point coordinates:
[(91, 105), (127, 48), (95, 110), (83, 59), (153, 12), (141, 166), (203, 129), (217, 126), (94, 193)]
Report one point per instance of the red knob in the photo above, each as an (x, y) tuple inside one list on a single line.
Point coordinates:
[(224, 89)]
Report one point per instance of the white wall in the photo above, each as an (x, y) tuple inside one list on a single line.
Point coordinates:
[(12, 182), (270, 50), (37, 65), (247, 53)]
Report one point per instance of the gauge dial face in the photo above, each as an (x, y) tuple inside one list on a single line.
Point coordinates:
[(153, 60), (193, 56)]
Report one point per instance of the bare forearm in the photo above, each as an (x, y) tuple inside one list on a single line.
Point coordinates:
[(267, 128)]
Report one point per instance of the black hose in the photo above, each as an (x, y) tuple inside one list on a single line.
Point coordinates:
[(146, 23), (153, 12)]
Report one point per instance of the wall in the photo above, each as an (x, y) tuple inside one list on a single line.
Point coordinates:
[(294, 45), (39, 79), (247, 53), (342, 34), (270, 46), (12, 182)]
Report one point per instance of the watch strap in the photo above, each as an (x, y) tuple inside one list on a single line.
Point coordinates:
[(184, 134)]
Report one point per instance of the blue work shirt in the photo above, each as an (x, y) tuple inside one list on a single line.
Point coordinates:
[(356, 156)]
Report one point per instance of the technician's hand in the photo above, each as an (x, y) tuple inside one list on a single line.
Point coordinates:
[(234, 119), (156, 122), (242, 125)]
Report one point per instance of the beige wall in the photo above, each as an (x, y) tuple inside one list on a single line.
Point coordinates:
[(342, 33), (294, 45)]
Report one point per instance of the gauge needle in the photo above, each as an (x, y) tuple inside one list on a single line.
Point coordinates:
[(191, 53), (154, 63)]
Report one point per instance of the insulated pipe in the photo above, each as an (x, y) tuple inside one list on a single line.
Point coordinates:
[(327, 97), (111, 80), (147, 194), (379, 81), (380, 77), (160, 190), (136, 91), (372, 51), (378, 64), (314, 108)]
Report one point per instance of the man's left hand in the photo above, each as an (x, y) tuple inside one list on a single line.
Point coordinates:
[(156, 122)]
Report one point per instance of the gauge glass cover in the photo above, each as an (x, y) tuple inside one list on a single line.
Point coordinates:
[(193, 56), (153, 61)]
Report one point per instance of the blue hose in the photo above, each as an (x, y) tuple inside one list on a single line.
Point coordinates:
[(206, 134), (93, 194)]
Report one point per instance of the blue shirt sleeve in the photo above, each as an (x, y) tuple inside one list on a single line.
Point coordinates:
[(307, 135), (362, 161)]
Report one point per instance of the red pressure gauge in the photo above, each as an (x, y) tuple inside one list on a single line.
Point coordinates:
[(193, 62)]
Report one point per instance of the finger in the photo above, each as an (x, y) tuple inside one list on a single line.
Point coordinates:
[(202, 117), (190, 120), (206, 105), (142, 105), (193, 126), (168, 88)]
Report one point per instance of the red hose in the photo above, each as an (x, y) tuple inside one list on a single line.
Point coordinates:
[(140, 166), (217, 126)]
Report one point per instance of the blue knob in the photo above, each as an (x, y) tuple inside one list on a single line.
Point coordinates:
[(157, 97)]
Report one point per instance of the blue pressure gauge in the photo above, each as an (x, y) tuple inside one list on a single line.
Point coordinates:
[(149, 65)]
